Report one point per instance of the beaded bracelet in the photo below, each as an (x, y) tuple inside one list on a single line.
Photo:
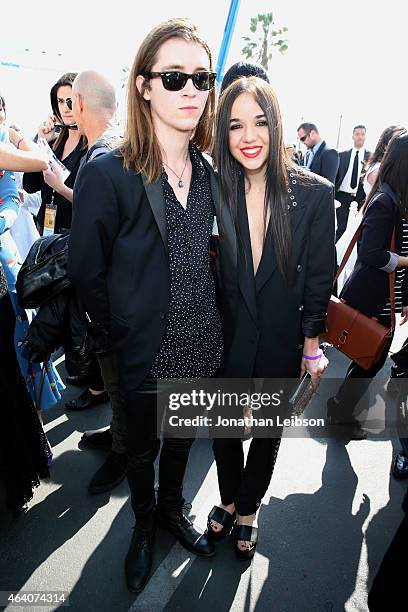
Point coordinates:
[(312, 358)]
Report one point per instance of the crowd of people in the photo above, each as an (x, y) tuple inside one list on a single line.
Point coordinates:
[(197, 245)]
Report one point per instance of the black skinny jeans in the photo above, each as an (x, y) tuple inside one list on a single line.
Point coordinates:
[(245, 485), (143, 446)]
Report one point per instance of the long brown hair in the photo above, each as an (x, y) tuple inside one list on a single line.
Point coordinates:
[(141, 148), (382, 144), (276, 170)]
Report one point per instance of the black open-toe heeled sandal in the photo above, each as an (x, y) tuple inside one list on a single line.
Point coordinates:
[(246, 534), (224, 518)]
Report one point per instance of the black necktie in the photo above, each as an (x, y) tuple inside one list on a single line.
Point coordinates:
[(354, 174)]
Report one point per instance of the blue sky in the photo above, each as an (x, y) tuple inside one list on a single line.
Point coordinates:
[(344, 57)]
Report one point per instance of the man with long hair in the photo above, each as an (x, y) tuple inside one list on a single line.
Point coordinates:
[(140, 263)]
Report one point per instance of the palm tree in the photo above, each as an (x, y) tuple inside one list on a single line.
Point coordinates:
[(267, 35)]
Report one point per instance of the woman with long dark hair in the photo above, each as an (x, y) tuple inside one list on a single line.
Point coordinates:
[(60, 131), (276, 262), (367, 288)]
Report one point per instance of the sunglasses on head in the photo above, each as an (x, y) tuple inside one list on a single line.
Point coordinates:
[(175, 81)]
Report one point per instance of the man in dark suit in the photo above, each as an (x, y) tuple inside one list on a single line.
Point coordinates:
[(319, 158), (349, 184), (140, 262)]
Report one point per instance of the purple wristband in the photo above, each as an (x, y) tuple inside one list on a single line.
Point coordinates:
[(312, 358)]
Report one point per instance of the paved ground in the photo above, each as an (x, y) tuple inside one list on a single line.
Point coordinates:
[(327, 519)]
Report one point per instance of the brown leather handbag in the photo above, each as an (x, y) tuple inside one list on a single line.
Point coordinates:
[(358, 336)]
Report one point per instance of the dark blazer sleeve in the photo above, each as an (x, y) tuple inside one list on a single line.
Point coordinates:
[(320, 266), (329, 165), (376, 233), (94, 228)]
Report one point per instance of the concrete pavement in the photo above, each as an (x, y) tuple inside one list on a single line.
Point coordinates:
[(325, 523)]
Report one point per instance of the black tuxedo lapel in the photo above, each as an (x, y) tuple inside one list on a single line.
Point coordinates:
[(343, 167), (346, 163), (155, 195), (317, 156), (226, 229), (246, 269), (268, 263)]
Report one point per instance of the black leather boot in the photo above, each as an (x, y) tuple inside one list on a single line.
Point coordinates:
[(110, 474), (173, 519), (139, 559), (87, 400)]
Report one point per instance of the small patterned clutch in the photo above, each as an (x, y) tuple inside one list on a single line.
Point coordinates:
[(304, 392), (302, 395)]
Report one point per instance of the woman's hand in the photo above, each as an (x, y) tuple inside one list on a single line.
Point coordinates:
[(404, 318), (47, 128), (54, 177), (14, 136), (315, 367)]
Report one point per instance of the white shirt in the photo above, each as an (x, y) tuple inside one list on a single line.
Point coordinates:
[(366, 184), (345, 185)]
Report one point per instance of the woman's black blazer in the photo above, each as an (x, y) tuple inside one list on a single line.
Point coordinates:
[(264, 332), (367, 288)]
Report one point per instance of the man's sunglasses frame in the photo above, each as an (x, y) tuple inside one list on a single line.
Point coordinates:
[(303, 138), (173, 80)]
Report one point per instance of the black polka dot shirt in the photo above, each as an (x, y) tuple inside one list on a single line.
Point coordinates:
[(192, 342)]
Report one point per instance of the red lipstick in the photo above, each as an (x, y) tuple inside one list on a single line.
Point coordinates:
[(251, 152)]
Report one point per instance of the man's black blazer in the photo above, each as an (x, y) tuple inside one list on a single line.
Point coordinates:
[(325, 162), (118, 260), (344, 157)]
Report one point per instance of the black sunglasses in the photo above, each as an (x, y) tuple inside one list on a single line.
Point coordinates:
[(174, 81), (303, 138), (68, 102)]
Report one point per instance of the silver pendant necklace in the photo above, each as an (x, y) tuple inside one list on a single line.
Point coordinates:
[(180, 178)]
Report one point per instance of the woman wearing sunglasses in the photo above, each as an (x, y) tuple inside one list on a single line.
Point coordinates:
[(60, 131), (276, 261)]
